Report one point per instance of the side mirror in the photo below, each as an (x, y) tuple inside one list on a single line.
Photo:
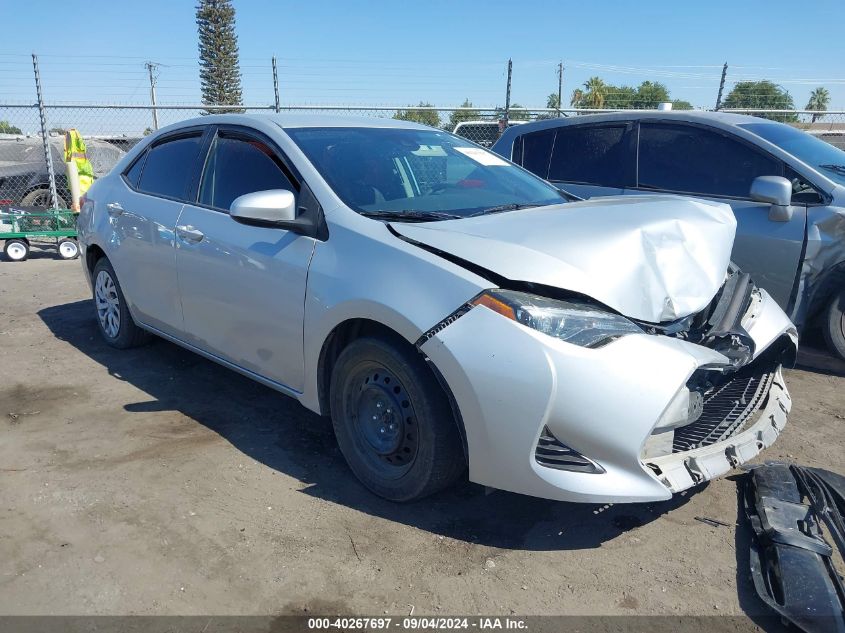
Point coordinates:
[(777, 191), (274, 207)]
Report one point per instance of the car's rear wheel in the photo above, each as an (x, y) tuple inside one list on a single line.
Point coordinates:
[(834, 325), (392, 421), (16, 250), (113, 317)]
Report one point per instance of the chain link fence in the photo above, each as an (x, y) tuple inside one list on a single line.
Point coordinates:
[(111, 130)]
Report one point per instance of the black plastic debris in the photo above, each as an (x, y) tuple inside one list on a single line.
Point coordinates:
[(792, 564)]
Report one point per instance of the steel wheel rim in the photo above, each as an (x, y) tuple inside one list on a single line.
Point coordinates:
[(68, 249), (16, 251), (386, 435), (107, 303)]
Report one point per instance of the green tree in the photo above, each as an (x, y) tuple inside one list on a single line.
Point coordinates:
[(650, 94), (576, 100), (552, 103), (595, 93), (8, 128), (819, 100), (761, 95), (426, 117), (680, 104), (220, 72), (515, 114), (459, 116), (619, 97)]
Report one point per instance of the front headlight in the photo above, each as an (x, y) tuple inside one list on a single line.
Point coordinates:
[(576, 323)]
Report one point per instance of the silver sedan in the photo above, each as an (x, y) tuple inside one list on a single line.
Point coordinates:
[(447, 309)]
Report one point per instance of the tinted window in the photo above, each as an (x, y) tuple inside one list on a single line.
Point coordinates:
[(593, 155), (135, 171), (806, 147), (536, 151), (169, 165), (695, 160), (239, 165)]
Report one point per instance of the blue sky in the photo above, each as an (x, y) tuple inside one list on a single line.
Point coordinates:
[(396, 53)]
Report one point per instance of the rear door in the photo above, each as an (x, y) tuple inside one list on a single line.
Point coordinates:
[(708, 163), (587, 160), (243, 287), (143, 209)]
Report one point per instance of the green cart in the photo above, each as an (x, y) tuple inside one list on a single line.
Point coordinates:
[(21, 226)]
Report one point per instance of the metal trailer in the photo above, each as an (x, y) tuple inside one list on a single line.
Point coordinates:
[(21, 226)]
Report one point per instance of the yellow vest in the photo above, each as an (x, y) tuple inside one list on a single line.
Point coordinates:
[(75, 151)]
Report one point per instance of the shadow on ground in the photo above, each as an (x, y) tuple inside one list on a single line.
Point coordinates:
[(278, 432), (814, 357)]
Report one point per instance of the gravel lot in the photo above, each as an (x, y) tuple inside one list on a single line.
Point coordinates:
[(153, 481)]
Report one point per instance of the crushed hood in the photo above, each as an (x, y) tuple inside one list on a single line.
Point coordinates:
[(652, 258)]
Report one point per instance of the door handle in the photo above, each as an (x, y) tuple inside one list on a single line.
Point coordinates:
[(189, 233), (114, 209)]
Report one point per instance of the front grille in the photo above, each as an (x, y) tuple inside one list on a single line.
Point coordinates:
[(726, 409), (553, 453)]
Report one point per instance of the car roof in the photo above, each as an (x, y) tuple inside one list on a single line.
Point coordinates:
[(724, 119), (293, 120)]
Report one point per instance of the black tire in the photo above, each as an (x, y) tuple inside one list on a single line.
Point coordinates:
[(423, 454), (126, 334), (41, 198), (16, 249), (833, 324), (68, 248)]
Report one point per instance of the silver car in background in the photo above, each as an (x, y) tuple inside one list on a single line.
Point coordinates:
[(445, 307), (785, 187)]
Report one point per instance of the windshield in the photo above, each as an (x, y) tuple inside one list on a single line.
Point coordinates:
[(815, 152), (418, 174)]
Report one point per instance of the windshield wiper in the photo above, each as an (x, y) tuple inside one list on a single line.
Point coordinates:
[(840, 169), (410, 216), (513, 206)]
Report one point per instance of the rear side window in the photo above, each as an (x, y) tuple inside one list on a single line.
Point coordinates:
[(238, 165), (536, 150), (591, 155), (691, 159), (135, 171), (169, 166)]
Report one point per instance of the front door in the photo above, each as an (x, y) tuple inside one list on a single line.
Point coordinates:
[(711, 164), (243, 287)]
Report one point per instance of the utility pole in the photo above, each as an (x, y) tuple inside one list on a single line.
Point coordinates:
[(151, 66), (48, 155), (508, 95), (559, 87), (722, 86), (276, 83)]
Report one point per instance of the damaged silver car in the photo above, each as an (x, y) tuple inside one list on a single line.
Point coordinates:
[(445, 307)]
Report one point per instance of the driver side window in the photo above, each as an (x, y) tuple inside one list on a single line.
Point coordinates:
[(239, 164)]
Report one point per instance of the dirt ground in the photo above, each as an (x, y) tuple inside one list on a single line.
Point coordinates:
[(153, 481)]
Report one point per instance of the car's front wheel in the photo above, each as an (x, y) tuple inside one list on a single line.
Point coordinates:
[(392, 421), (113, 317), (834, 325)]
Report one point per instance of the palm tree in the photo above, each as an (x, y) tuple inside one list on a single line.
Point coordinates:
[(819, 100), (575, 99), (596, 92)]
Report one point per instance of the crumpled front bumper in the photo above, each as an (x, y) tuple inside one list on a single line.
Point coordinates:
[(510, 382)]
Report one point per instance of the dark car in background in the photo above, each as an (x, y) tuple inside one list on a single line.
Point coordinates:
[(24, 179), (786, 189)]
